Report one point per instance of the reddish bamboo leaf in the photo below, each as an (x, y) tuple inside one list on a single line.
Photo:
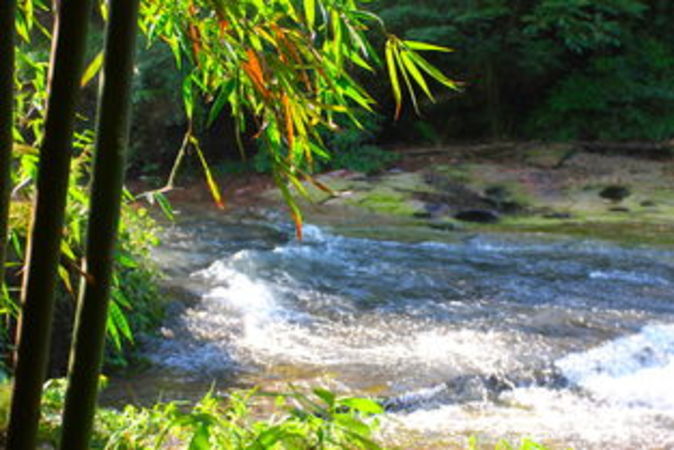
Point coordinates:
[(290, 129), (253, 69)]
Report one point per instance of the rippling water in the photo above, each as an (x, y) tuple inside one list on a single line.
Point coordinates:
[(570, 342)]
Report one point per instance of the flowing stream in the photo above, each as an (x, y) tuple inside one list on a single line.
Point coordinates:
[(567, 341)]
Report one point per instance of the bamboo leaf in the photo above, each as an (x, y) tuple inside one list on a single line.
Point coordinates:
[(104, 9), (322, 186), (295, 212), (310, 13), (432, 71), (112, 331), (29, 13), (212, 184), (21, 28), (424, 46), (188, 97), (393, 77), (356, 58), (117, 324), (65, 278), (327, 396), (363, 405), (165, 206), (406, 79), (223, 95), (92, 69), (200, 438), (297, 184), (253, 69), (337, 38), (289, 125), (414, 72)]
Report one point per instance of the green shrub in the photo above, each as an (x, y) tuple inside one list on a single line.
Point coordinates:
[(320, 420), (354, 148)]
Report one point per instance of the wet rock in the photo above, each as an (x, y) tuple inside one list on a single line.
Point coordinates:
[(449, 192), (549, 377), (478, 216), (615, 193), (457, 390)]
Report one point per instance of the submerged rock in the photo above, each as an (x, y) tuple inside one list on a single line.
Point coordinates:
[(615, 193), (478, 215)]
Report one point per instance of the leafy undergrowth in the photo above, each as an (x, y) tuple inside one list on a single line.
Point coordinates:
[(319, 420)]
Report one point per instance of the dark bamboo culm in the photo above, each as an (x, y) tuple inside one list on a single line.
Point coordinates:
[(37, 299), (106, 194), (7, 12)]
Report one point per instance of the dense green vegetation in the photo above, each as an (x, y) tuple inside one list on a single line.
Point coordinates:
[(535, 69), (551, 69)]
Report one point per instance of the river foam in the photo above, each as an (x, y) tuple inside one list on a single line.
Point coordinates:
[(635, 370), (568, 342)]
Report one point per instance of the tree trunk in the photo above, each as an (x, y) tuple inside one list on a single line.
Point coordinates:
[(7, 12), (106, 195), (66, 67)]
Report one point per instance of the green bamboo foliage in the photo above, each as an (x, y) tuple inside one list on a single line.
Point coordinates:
[(106, 196), (7, 13), (289, 65), (67, 62)]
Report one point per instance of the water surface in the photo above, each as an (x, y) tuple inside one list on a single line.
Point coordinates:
[(568, 341)]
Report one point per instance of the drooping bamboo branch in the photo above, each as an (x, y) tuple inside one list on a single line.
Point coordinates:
[(7, 12), (106, 194), (66, 67)]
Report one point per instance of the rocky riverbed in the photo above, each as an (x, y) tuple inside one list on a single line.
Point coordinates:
[(523, 187)]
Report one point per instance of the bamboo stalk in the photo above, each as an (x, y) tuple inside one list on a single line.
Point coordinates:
[(35, 321), (106, 194)]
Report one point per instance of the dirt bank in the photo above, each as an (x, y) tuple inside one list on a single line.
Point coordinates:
[(499, 187)]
